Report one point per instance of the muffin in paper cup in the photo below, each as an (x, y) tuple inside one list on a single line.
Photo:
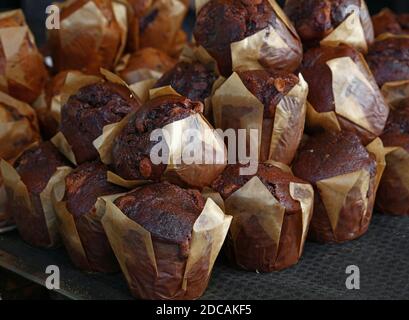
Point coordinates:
[(166, 240), (271, 214)]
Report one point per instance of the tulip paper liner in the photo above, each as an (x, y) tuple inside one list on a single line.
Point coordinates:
[(234, 106), (359, 104), (177, 171), (353, 30), (393, 195), (18, 194), (87, 32), (355, 189), (162, 32), (97, 260), (275, 48), (151, 267), (255, 201), (24, 74), (73, 83)]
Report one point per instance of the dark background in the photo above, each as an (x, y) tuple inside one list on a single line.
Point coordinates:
[(35, 11)]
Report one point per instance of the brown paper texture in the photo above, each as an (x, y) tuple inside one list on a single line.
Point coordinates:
[(16, 135), (64, 147), (350, 32), (335, 190), (130, 241), (215, 196), (142, 88), (119, 181), (199, 4), (254, 199), (326, 120), (19, 192), (304, 194), (395, 93), (23, 67), (289, 123), (377, 148), (162, 91), (356, 94), (397, 160)]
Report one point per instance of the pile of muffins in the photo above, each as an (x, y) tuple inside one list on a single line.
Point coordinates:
[(326, 86)]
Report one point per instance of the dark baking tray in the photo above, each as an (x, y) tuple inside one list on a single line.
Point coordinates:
[(382, 256)]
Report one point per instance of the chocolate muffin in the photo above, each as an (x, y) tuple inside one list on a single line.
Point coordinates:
[(270, 88), (86, 113), (387, 21), (83, 186), (222, 22), (315, 20), (192, 80), (168, 213), (145, 64), (389, 60), (329, 155), (253, 248), (35, 167), (132, 147), (360, 87), (393, 193)]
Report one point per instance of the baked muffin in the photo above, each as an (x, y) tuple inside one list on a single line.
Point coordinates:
[(22, 71), (270, 88), (35, 167), (339, 82), (389, 60), (167, 214), (315, 20), (393, 193), (18, 127), (387, 21), (83, 186), (132, 147), (191, 80), (144, 64), (90, 37), (328, 161), (252, 247), (86, 113), (220, 23)]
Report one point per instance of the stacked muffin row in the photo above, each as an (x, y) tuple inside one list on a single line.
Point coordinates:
[(325, 135)]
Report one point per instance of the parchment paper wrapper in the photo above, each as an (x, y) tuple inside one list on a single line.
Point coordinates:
[(18, 127), (235, 107), (263, 236), (153, 268), (396, 93), (84, 237), (22, 72), (359, 104), (33, 214), (393, 193), (73, 83), (92, 35), (344, 204), (207, 145), (276, 47), (356, 30), (163, 32)]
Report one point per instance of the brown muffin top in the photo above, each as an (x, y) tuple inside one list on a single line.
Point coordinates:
[(37, 165), (314, 20), (388, 21), (86, 113), (389, 60), (328, 155), (192, 80), (221, 22), (167, 211), (84, 185), (131, 150), (275, 180), (396, 132), (268, 87)]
